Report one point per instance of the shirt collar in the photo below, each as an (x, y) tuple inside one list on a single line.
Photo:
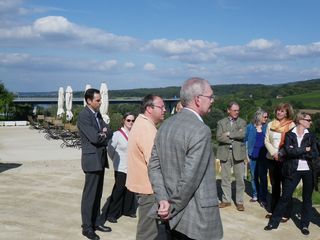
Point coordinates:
[(197, 114), (146, 118), (93, 111), (294, 130)]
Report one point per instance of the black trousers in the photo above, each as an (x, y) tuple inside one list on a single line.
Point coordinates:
[(91, 197), (277, 181), (121, 201), (288, 189)]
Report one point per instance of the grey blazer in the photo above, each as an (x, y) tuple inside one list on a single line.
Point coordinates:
[(182, 171), (236, 139), (94, 154)]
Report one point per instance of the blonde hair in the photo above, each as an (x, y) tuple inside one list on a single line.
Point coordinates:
[(300, 116)]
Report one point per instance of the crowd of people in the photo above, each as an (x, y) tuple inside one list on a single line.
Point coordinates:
[(165, 169)]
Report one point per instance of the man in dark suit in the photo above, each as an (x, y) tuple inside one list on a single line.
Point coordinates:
[(181, 168), (95, 134)]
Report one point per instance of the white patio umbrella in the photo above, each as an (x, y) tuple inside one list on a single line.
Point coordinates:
[(69, 96), (34, 111), (104, 102), (87, 87), (60, 110)]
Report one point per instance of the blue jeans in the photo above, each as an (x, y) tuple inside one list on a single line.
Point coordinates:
[(254, 177), (259, 178)]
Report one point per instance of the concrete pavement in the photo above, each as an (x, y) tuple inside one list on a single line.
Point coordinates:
[(41, 186)]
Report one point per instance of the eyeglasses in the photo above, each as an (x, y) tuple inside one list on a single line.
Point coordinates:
[(129, 120), (211, 98), (308, 120), (161, 107)]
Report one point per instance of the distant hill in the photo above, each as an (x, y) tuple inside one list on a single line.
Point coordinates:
[(242, 91)]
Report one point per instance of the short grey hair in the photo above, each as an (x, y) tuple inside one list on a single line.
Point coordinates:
[(258, 115), (192, 88)]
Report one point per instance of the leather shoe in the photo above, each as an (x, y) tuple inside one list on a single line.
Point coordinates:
[(90, 234), (133, 215), (305, 231), (284, 220), (224, 204), (240, 207), (102, 228), (269, 227), (269, 215), (112, 219)]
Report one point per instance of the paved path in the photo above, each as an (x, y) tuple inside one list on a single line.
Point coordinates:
[(40, 191)]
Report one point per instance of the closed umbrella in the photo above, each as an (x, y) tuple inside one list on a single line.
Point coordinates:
[(69, 114), (60, 110), (34, 111), (104, 102), (87, 87)]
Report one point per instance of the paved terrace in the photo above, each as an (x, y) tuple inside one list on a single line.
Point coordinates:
[(40, 192)]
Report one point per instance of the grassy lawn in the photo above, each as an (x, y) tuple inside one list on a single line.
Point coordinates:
[(315, 196), (309, 100)]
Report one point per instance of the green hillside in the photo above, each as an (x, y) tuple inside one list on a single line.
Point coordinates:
[(309, 100)]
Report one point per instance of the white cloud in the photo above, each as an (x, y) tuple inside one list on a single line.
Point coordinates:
[(52, 25), (149, 67), (48, 30), (183, 50), (107, 65), (28, 62), (129, 65), (261, 44), (304, 50), (9, 5)]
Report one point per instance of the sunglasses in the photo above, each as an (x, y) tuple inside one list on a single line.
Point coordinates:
[(308, 120), (129, 120)]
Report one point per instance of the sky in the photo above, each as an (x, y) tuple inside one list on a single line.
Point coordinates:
[(127, 44)]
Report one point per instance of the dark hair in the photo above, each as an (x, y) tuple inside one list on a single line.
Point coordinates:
[(127, 114), (147, 101), (89, 94)]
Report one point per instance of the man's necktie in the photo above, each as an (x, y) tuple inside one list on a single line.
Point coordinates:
[(96, 114)]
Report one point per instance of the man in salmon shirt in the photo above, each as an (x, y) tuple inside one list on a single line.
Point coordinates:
[(141, 139)]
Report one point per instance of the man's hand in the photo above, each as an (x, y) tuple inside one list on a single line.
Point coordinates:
[(163, 210), (227, 134)]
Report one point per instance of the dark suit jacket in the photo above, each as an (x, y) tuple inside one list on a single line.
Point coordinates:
[(181, 170), (93, 144)]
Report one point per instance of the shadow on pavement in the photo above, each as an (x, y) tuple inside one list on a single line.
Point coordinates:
[(8, 166)]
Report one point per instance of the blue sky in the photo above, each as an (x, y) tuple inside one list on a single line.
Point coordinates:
[(47, 44)]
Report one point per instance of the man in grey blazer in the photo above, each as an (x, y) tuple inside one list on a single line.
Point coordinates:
[(231, 152), (95, 134), (181, 168)]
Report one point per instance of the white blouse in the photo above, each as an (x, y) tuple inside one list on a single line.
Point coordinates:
[(117, 151)]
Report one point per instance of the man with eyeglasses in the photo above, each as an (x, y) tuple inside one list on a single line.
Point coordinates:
[(141, 138), (181, 168), (231, 152)]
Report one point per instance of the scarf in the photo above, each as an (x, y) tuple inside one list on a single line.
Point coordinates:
[(281, 127)]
